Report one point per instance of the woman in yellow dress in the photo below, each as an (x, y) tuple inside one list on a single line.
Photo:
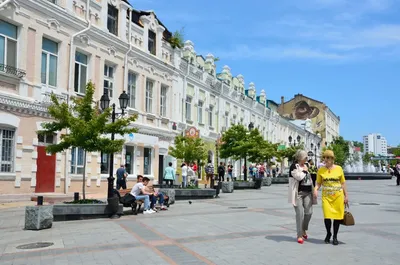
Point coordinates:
[(334, 194)]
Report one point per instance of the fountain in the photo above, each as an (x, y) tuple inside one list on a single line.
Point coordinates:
[(356, 169)]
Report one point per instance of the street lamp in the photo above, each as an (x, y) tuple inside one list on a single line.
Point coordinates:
[(251, 126), (290, 140), (104, 104), (298, 139)]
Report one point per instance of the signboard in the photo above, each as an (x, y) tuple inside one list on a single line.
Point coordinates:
[(192, 132), (310, 153), (281, 147)]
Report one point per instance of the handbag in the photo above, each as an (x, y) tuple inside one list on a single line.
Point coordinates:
[(348, 219)]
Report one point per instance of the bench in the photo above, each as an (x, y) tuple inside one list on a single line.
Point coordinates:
[(136, 205)]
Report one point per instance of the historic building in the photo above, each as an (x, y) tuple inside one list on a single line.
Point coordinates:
[(57, 46), (304, 109)]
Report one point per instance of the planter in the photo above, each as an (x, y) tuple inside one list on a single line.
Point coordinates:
[(38, 217), (69, 212), (241, 185), (170, 193), (366, 176), (194, 194), (280, 180), (267, 181), (227, 187)]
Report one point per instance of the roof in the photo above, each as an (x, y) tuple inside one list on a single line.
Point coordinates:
[(301, 95), (136, 14)]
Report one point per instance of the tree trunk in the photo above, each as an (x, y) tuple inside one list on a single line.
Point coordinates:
[(84, 176)]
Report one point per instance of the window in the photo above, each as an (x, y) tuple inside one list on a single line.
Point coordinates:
[(200, 112), (81, 64), (53, 1), (8, 45), (77, 160), (226, 121), (163, 101), (108, 80), (147, 161), (149, 96), (152, 42), (44, 139), (104, 165), (7, 150), (210, 116), (112, 20), (49, 62), (188, 108), (132, 89)]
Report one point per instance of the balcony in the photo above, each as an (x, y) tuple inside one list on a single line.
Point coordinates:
[(13, 71)]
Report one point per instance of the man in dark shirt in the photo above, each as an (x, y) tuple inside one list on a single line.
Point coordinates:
[(221, 172), (121, 177)]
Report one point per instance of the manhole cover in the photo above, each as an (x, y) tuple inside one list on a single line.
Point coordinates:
[(36, 245), (369, 203), (238, 207)]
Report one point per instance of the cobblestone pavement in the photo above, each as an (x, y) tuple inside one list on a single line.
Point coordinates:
[(220, 231)]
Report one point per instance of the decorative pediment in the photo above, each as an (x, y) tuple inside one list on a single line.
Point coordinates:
[(53, 23), (112, 51), (12, 5), (84, 39)]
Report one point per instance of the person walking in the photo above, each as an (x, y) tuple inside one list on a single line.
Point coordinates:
[(121, 178), (300, 194), (334, 195), (184, 169), (221, 172), (396, 170), (169, 175)]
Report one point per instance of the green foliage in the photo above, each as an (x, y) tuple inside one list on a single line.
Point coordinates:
[(359, 144), (216, 59), (177, 39), (87, 126), (396, 152), (188, 149), (341, 149), (289, 152), (367, 158)]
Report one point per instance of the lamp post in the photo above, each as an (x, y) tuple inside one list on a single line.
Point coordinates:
[(104, 104), (250, 127), (290, 140)]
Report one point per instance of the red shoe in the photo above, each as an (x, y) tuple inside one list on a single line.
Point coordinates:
[(305, 236), (300, 241)]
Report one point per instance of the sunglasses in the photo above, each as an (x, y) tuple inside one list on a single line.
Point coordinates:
[(327, 157)]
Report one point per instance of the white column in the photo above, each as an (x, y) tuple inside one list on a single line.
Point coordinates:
[(122, 29), (159, 37)]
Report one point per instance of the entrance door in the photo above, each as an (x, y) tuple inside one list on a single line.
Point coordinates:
[(129, 151), (46, 166), (160, 169)]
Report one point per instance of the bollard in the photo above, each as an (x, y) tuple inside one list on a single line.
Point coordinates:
[(40, 200), (76, 196)]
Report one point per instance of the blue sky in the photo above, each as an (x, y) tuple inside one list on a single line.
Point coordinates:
[(345, 53)]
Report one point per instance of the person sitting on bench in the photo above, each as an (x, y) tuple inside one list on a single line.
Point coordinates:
[(158, 196), (140, 193)]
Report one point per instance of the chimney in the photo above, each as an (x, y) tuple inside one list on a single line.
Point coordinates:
[(282, 100)]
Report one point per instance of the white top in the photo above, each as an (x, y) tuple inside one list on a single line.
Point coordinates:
[(137, 189), (184, 170)]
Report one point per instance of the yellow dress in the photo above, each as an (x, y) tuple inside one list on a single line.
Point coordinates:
[(332, 193)]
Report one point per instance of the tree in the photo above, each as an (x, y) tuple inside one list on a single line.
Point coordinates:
[(234, 143), (189, 149), (177, 39), (87, 127), (367, 157), (396, 152), (340, 148), (289, 152), (359, 144)]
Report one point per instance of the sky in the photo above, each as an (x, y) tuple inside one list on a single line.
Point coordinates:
[(345, 53)]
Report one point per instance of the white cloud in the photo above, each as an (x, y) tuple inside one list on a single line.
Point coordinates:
[(278, 53)]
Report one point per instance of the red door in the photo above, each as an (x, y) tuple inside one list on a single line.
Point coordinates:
[(46, 171)]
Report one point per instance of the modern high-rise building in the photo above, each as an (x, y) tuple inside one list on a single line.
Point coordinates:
[(375, 143)]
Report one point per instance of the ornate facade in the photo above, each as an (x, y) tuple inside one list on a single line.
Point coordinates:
[(56, 46)]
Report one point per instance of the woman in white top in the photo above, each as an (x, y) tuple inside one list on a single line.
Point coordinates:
[(184, 169)]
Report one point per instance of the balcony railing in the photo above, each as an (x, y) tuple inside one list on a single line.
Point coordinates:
[(11, 70)]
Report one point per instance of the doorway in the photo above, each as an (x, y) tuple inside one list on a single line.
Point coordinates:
[(46, 166), (160, 169), (129, 163)]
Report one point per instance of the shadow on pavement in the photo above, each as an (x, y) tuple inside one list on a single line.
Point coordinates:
[(293, 240)]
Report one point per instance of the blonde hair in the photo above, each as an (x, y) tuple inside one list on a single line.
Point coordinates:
[(300, 155)]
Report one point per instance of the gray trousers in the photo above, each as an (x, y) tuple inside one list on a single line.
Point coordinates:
[(304, 210)]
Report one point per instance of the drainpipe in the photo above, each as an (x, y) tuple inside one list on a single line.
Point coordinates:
[(130, 49), (71, 70), (4, 3)]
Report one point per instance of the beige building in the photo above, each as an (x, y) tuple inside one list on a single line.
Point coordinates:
[(57, 47)]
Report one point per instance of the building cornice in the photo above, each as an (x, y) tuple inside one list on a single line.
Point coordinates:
[(17, 105)]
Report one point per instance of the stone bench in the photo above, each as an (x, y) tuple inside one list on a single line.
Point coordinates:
[(243, 185), (227, 187), (38, 217), (194, 194)]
